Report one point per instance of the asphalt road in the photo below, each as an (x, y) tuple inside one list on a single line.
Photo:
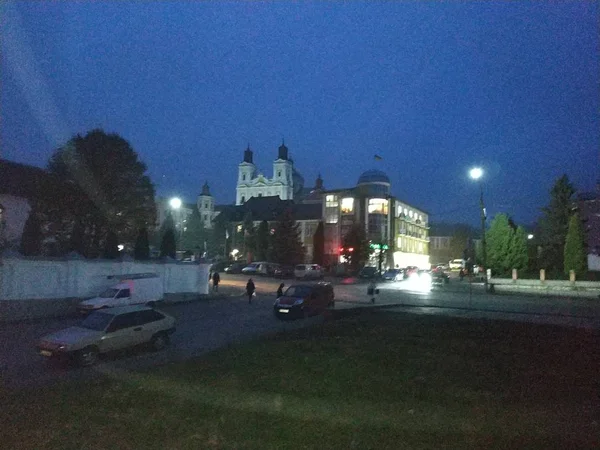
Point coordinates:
[(206, 325)]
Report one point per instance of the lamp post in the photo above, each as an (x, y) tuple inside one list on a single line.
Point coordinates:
[(476, 173), (175, 204)]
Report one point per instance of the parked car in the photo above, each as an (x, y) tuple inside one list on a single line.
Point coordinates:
[(303, 300), (284, 272), (368, 272), (393, 275), (439, 277), (144, 289), (308, 271), (219, 266), (456, 264), (109, 330), (235, 268), (410, 271), (260, 268)]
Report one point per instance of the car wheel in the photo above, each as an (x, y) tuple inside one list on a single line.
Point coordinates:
[(160, 341), (87, 356)]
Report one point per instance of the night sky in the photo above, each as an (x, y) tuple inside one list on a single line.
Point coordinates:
[(433, 88)]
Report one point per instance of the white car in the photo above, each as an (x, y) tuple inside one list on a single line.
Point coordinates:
[(108, 330), (456, 264), (308, 271)]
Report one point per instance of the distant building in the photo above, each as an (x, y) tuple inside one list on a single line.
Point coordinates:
[(286, 183), (588, 204), (386, 219)]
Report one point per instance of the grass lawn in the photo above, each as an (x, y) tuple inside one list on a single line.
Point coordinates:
[(375, 381)]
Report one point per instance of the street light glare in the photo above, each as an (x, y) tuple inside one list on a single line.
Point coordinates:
[(476, 173), (175, 203)]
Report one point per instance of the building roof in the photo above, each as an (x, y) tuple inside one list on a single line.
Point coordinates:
[(269, 208), (373, 176)]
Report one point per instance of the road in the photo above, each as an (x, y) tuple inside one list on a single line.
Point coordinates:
[(206, 325)]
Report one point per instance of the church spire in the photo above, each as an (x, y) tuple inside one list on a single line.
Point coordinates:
[(283, 151), (205, 189), (248, 155)]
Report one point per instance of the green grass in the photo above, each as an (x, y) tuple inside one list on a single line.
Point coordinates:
[(370, 382)]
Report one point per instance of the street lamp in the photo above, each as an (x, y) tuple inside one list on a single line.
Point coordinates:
[(476, 173), (175, 203)]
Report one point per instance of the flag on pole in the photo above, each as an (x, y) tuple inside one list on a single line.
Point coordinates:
[(378, 158)]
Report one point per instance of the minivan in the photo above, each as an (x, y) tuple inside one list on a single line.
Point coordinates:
[(304, 300), (308, 271)]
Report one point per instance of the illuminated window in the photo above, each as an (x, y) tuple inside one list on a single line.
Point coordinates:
[(347, 205), (331, 201), (399, 245), (378, 206), (410, 214), (405, 211)]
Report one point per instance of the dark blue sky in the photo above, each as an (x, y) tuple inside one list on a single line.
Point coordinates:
[(433, 88)]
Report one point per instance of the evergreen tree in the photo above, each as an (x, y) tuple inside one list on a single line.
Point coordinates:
[(168, 245), (249, 237), (262, 241), (111, 246), (319, 245), (217, 244), (77, 239), (355, 246), (574, 253), (31, 239), (518, 250), (498, 242), (195, 234), (142, 245), (554, 225), (287, 247)]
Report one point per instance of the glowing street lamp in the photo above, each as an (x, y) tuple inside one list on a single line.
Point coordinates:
[(476, 173), (530, 236), (175, 203)]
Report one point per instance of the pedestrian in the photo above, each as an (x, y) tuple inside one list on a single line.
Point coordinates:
[(372, 291), (280, 290), (216, 278), (250, 290), (461, 274)]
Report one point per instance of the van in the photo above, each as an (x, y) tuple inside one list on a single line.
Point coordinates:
[(129, 290), (303, 300), (260, 268), (308, 271)]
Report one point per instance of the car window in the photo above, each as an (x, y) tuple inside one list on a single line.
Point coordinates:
[(300, 267), (109, 293), (96, 321), (123, 293), (122, 321), (298, 291), (148, 316)]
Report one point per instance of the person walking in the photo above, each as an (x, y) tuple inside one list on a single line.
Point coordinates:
[(216, 278), (250, 290), (280, 290)]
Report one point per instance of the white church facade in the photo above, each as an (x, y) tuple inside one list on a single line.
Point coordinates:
[(251, 183)]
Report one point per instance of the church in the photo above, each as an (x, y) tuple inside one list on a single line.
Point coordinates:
[(391, 223)]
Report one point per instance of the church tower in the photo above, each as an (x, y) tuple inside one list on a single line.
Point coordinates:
[(282, 174), (246, 171), (206, 206)]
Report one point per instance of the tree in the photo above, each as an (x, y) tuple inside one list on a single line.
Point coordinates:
[(355, 246), (287, 247), (554, 225), (574, 252), (141, 250), (31, 239), (506, 246), (249, 237), (195, 234), (77, 239), (498, 241), (262, 241), (168, 246), (459, 242), (518, 255), (111, 246), (319, 245), (108, 175)]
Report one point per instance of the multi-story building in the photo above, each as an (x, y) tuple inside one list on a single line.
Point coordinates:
[(387, 220)]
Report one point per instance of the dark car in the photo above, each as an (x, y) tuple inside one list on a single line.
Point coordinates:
[(439, 277), (284, 272), (303, 300), (235, 268), (368, 272), (393, 275), (219, 266)]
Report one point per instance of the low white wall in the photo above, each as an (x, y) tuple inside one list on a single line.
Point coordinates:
[(557, 287), (37, 278)]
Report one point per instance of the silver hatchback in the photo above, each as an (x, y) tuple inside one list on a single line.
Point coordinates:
[(108, 330)]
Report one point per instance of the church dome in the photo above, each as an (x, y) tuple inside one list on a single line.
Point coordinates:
[(373, 176)]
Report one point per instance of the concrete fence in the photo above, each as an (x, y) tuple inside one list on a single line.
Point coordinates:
[(571, 287), (42, 278)]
